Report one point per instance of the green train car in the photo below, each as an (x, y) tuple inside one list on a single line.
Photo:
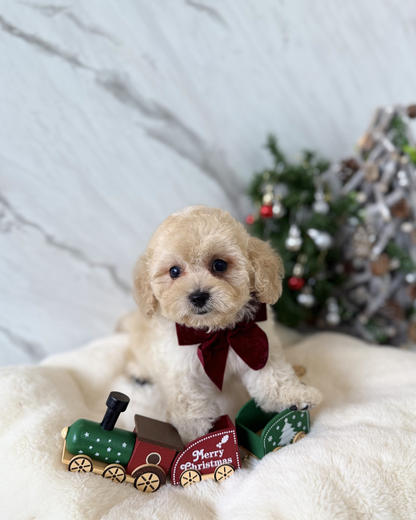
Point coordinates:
[(260, 433)]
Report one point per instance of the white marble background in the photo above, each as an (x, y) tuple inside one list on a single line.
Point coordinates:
[(115, 113)]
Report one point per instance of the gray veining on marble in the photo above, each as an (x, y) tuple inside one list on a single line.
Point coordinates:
[(115, 114)]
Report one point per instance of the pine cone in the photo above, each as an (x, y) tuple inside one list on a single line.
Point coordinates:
[(366, 142), (411, 332), (411, 111), (401, 209), (351, 164), (412, 291), (348, 267), (371, 172), (361, 243), (381, 266), (392, 310), (348, 168)]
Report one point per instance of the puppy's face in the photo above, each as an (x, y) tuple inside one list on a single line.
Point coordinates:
[(201, 267)]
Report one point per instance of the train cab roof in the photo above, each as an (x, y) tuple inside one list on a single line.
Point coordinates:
[(156, 432)]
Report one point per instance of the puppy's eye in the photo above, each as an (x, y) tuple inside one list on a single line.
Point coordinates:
[(175, 271), (219, 265)]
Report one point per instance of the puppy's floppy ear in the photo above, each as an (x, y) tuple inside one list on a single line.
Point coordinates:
[(142, 292), (267, 271)]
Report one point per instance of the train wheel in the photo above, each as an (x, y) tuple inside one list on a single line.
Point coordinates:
[(115, 472), (298, 437), (223, 472), (190, 476), (80, 464), (148, 479)]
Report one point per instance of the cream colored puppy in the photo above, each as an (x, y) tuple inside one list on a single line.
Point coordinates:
[(203, 270)]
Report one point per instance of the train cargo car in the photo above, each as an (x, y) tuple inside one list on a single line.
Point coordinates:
[(260, 433), (214, 455), (156, 445)]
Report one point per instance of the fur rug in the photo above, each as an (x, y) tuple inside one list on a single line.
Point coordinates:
[(358, 462)]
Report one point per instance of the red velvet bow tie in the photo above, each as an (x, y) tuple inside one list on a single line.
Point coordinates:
[(247, 339)]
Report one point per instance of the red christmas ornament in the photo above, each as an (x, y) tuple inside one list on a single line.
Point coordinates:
[(266, 211), (250, 219), (295, 283)]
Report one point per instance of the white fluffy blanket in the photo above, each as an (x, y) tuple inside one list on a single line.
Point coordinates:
[(358, 462)]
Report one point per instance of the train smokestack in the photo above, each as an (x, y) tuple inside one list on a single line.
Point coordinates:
[(116, 403)]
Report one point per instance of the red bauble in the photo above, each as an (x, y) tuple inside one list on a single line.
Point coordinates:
[(266, 211), (295, 283), (250, 219)]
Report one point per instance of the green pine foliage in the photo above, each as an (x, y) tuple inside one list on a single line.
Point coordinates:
[(400, 138), (406, 263), (411, 152)]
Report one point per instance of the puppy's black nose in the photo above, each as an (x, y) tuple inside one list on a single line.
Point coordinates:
[(198, 298)]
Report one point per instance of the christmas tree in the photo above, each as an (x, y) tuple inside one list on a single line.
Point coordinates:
[(380, 253), (346, 233), (299, 215)]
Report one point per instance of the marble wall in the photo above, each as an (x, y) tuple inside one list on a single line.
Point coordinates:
[(114, 114)]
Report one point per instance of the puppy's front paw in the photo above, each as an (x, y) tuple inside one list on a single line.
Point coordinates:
[(191, 429), (297, 397), (305, 398)]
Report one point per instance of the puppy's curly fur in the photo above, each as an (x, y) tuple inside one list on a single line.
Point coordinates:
[(191, 240)]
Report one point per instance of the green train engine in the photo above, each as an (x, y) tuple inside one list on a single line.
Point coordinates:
[(142, 457)]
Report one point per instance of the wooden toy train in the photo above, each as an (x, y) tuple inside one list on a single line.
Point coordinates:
[(145, 456)]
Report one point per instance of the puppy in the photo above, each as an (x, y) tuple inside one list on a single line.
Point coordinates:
[(201, 288)]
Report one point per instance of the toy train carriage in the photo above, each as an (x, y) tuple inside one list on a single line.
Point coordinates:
[(156, 445), (260, 433), (142, 457), (214, 455)]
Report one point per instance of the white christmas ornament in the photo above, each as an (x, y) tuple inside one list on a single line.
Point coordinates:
[(361, 197), (322, 239), (267, 198), (306, 298), (320, 205), (403, 179), (333, 318), (278, 209), (294, 240), (406, 227)]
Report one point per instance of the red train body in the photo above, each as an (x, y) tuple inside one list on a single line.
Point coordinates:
[(157, 443), (214, 455)]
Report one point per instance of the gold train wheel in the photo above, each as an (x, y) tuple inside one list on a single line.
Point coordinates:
[(80, 464), (115, 473), (298, 437), (189, 477), (148, 478), (223, 472)]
